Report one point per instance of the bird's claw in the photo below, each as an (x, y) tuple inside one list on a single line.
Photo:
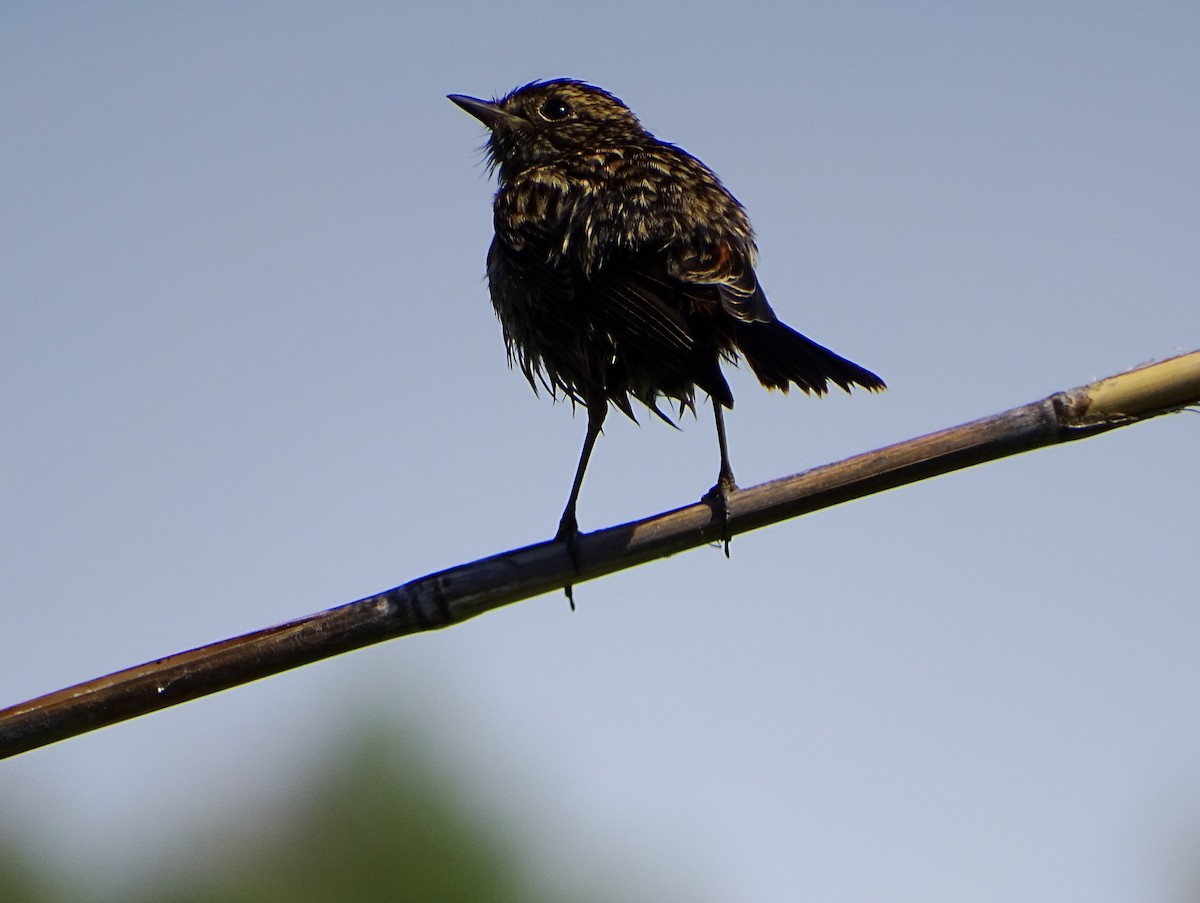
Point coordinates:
[(568, 532), (719, 498)]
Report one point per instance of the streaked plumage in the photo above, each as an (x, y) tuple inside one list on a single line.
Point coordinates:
[(623, 269)]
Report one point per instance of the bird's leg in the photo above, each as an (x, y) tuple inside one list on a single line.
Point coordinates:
[(568, 526), (719, 497)]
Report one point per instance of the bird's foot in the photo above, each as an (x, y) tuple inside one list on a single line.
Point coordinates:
[(720, 498), (568, 532)]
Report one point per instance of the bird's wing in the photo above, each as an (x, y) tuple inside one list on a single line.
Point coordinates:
[(639, 303), (727, 268), (642, 305)]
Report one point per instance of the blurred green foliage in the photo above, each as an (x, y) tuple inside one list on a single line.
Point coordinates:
[(18, 884), (376, 822)]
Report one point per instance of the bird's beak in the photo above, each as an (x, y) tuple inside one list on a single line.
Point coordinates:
[(484, 110)]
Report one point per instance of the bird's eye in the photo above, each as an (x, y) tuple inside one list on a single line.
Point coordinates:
[(555, 109)]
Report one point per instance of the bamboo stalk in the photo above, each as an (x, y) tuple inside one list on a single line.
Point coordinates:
[(459, 593)]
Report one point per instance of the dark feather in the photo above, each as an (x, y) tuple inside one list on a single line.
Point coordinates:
[(779, 355)]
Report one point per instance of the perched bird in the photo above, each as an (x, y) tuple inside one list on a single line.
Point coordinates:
[(622, 269)]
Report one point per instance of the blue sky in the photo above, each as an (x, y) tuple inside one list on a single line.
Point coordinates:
[(250, 371)]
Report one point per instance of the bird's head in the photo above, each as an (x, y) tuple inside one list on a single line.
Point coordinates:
[(543, 121)]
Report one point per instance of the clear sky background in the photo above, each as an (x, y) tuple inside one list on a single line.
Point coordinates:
[(249, 370)]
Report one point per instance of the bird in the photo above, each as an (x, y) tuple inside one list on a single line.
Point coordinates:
[(622, 270)]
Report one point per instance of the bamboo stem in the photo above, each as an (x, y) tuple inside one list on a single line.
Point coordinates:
[(459, 593)]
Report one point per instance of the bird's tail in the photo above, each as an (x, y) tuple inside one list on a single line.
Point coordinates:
[(780, 356)]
